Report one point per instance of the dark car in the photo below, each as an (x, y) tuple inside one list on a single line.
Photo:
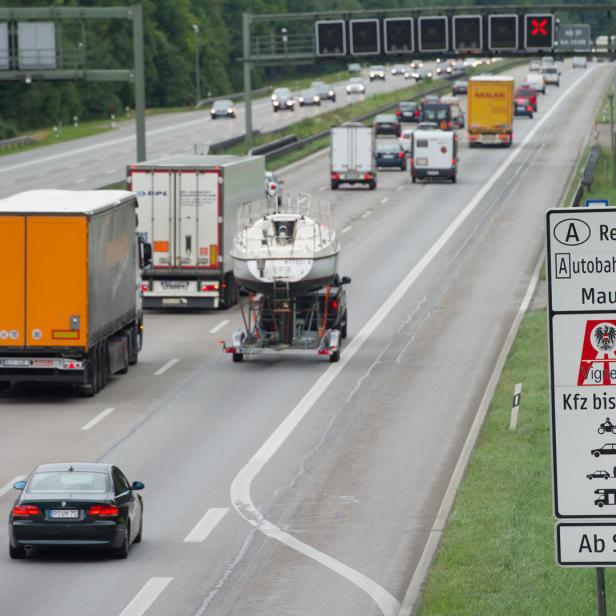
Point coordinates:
[(222, 109), (598, 475), (525, 100), (282, 98), (609, 449), (324, 91), (76, 504), (390, 155), (386, 124), (408, 111), (309, 97), (439, 113), (460, 86)]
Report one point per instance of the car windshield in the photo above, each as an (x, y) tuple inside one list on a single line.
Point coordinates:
[(356, 80), (459, 83), (222, 104), (524, 92), (549, 70), (282, 92), (68, 481), (436, 113), (377, 68), (308, 93), (388, 148)]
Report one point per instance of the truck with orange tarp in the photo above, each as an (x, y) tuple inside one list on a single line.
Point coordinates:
[(71, 306)]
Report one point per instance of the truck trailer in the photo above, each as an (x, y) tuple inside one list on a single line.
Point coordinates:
[(187, 211), (490, 110), (71, 307), (352, 155)]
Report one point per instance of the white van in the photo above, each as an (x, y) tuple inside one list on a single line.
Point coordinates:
[(537, 81), (550, 75), (457, 115), (434, 155)]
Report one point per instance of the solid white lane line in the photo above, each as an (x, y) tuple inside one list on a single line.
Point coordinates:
[(146, 596), (346, 229), (240, 488), (366, 214), (206, 525), (218, 327), (166, 367), (97, 419), (81, 181), (384, 200), (440, 522), (5, 489)]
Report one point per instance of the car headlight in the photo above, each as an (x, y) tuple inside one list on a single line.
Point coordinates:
[(274, 97), (212, 110), (331, 92), (230, 110), (276, 103), (301, 99), (316, 99), (371, 74)]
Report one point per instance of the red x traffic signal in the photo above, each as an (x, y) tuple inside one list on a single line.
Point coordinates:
[(539, 31)]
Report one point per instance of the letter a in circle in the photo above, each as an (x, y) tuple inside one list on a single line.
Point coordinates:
[(572, 233)]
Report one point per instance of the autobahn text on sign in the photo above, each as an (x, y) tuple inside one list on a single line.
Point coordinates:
[(581, 251)]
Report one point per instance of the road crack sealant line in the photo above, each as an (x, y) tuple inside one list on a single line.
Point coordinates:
[(241, 486)]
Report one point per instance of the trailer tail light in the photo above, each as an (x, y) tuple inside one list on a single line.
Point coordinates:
[(473, 137), (104, 511), (273, 186), (145, 286), (210, 287), (69, 364), (368, 176), (334, 304), (25, 511), (335, 176), (401, 155), (454, 162), (398, 113), (530, 107)]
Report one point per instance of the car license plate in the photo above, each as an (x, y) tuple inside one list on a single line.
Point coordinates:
[(421, 162), (175, 284), (71, 514), (388, 156), (432, 172), (521, 108), (172, 300)]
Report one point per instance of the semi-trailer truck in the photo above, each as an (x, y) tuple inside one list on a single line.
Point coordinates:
[(71, 287), (490, 110), (187, 211)]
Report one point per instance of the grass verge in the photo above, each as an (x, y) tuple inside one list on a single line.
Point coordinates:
[(46, 136), (603, 186), (497, 554)]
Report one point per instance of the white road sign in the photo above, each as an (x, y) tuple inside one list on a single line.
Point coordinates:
[(581, 255), (586, 544)]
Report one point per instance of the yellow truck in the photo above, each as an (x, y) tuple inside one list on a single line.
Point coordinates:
[(71, 287), (490, 110)]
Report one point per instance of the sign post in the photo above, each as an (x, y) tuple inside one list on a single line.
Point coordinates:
[(581, 258)]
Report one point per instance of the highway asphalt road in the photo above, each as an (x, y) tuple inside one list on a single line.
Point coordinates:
[(286, 485), (101, 160)]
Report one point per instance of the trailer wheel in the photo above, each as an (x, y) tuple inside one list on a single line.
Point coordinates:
[(125, 356), (104, 364), (372, 185), (334, 185), (238, 357), (91, 386), (414, 179)]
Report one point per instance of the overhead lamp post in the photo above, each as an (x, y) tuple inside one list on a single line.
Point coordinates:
[(285, 40), (197, 64)]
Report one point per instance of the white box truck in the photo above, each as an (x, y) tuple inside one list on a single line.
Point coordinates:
[(353, 155), (187, 211)]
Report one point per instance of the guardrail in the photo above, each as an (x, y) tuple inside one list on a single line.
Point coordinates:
[(588, 175), (17, 142)]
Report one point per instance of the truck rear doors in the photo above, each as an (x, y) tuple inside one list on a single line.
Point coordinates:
[(179, 211), (46, 282)]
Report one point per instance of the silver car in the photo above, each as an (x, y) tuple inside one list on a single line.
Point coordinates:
[(356, 86)]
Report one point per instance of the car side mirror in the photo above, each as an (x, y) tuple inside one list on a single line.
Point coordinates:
[(345, 280), (137, 485), (19, 485)]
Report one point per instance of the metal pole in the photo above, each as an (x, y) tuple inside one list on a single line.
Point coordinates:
[(139, 80), (246, 19), (601, 602), (197, 64)]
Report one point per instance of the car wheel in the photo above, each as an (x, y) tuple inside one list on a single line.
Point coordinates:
[(17, 553), (122, 552), (596, 454), (139, 537), (334, 185), (453, 179), (600, 505), (335, 356), (414, 179), (238, 357), (372, 185), (530, 115)]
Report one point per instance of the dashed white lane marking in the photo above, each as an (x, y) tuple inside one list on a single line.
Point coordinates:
[(81, 181), (323, 188), (346, 229), (241, 485), (146, 596), (366, 214), (5, 489), (400, 188), (74, 166), (166, 367), (384, 200), (97, 419), (109, 171), (9, 183), (206, 525), (42, 175), (218, 327)]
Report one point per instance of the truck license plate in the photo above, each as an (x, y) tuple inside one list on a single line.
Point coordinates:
[(16, 363), (64, 514), (175, 284)]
